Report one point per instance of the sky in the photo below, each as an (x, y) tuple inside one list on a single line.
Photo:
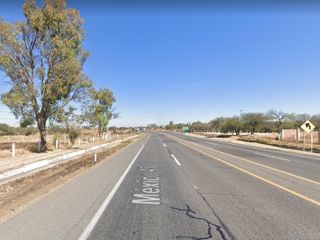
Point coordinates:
[(188, 63)]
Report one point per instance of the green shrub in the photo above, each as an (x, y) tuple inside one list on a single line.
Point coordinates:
[(55, 137), (73, 134), (5, 129)]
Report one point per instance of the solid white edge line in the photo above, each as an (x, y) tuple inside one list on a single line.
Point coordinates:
[(212, 143), (176, 160), (274, 157), (87, 231)]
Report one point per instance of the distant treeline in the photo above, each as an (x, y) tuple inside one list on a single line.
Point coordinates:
[(5, 129), (271, 121)]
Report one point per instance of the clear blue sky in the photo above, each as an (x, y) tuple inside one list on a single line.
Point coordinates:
[(194, 64)]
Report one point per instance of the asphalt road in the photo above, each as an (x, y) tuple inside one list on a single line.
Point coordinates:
[(169, 186)]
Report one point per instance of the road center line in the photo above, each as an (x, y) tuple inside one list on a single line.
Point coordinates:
[(274, 157), (87, 231), (164, 145), (176, 160)]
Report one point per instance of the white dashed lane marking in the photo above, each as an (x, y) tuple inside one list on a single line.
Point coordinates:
[(176, 160)]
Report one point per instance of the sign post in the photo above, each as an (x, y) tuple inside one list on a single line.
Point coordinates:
[(308, 127), (311, 140), (304, 140)]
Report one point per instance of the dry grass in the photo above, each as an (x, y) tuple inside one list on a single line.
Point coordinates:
[(26, 146)]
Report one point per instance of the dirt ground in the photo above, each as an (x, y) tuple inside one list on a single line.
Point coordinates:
[(27, 145), (25, 157), (267, 140), (17, 194), (283, 144)]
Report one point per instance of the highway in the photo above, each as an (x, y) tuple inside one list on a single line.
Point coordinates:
[(174, 186)]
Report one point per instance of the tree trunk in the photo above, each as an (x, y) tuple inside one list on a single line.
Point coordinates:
[(100, 130), (41, 122)]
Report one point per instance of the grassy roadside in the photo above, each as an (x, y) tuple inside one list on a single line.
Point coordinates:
[(15, 195)]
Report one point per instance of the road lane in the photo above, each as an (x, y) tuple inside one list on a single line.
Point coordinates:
[(199, 198), (249, 208), (155, 203), (303, 188), (65, 212), (214, 201), (302, 165)]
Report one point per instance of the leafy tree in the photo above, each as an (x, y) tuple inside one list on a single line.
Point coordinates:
[(43, 59), (299, 119), (253, 122), (5, 129), (277, 117), (200, 127), (98, 111), (233, 124), (71, 122), (216, 124), (315, 119)]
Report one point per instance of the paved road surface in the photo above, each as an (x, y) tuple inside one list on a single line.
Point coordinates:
[(171, 186)]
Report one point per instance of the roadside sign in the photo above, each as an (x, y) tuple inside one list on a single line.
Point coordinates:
[(307, 126), (185, 129)]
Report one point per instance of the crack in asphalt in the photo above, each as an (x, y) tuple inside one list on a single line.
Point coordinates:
[(215, 214), (188, 211)]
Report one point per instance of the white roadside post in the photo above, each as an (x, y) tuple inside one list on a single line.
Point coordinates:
[(304, 140), (95, 158), (13, 149), (57, 144), (79, 141)]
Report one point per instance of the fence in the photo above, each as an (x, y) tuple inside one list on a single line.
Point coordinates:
[(297, 135), (31, 143)]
